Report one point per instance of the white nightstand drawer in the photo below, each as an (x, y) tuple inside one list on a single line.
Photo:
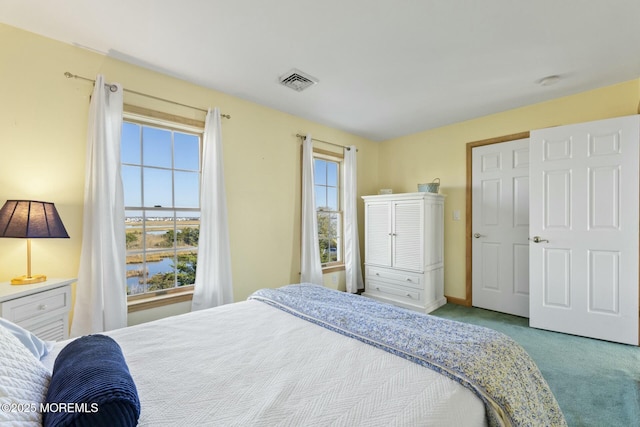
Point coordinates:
[(33, 306)]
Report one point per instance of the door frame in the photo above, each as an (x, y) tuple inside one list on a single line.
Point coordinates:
[(467, 301)]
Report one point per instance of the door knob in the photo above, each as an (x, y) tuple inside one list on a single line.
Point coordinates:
[(478, 235), (537, 239)]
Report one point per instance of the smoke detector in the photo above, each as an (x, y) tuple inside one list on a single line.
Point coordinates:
[(297, 80)]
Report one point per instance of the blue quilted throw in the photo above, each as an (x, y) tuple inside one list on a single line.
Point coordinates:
[(492, 365)]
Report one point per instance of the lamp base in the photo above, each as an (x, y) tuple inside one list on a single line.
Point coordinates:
[(28, 280)]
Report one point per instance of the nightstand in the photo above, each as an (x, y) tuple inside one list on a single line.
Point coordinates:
[(42, 308)]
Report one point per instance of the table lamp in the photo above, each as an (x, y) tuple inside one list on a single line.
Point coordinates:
[(29, 219)]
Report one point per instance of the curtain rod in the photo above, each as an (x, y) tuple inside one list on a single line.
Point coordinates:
[(325, 142), (112, 88)]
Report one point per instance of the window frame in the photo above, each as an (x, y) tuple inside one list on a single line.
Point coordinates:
[(146, 117), (338, 158)]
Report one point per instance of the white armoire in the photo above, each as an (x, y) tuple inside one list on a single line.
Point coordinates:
[(404, 253)]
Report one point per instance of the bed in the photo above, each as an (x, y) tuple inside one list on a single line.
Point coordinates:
[(307, 355)]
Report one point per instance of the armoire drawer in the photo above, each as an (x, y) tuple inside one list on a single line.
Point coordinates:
[(397, 277), (392, 292)]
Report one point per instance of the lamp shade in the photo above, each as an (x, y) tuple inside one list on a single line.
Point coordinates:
[(29, 219)]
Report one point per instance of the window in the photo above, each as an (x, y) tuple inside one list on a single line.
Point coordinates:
[(161, 179), (327, 180)]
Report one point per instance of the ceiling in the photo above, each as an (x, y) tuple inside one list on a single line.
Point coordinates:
[(386, 68)]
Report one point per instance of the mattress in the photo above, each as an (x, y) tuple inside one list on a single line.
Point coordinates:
[(249, 363)]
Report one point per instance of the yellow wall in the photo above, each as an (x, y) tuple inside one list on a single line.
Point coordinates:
[(43, 119), (441, 152)]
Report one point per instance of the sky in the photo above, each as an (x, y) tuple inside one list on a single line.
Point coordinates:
[(326, 183), (148, 154)]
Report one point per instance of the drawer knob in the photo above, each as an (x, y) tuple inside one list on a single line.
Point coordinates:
[(377, 274), (42, 307), (409, 295), (408, 279), (377, 288)]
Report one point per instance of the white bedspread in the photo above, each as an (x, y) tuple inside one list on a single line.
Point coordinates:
[(250, 364)]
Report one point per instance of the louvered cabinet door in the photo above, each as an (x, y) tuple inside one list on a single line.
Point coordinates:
[(378, 234), (407, 236)]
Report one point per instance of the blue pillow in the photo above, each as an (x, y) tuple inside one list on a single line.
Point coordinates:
[(91, 386)]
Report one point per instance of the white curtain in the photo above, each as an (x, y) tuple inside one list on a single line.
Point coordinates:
[(353, 269), (213, 286), (101, 300), (310, 267)]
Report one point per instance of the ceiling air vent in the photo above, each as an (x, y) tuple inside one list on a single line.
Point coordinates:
[(297, 80)]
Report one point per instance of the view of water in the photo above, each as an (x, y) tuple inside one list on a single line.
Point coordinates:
[(163, 266)]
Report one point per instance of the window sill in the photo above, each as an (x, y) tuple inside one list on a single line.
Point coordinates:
[(159, 299), (332, 268)]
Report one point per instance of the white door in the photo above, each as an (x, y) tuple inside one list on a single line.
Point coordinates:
[(500, 224), (584, 227)]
